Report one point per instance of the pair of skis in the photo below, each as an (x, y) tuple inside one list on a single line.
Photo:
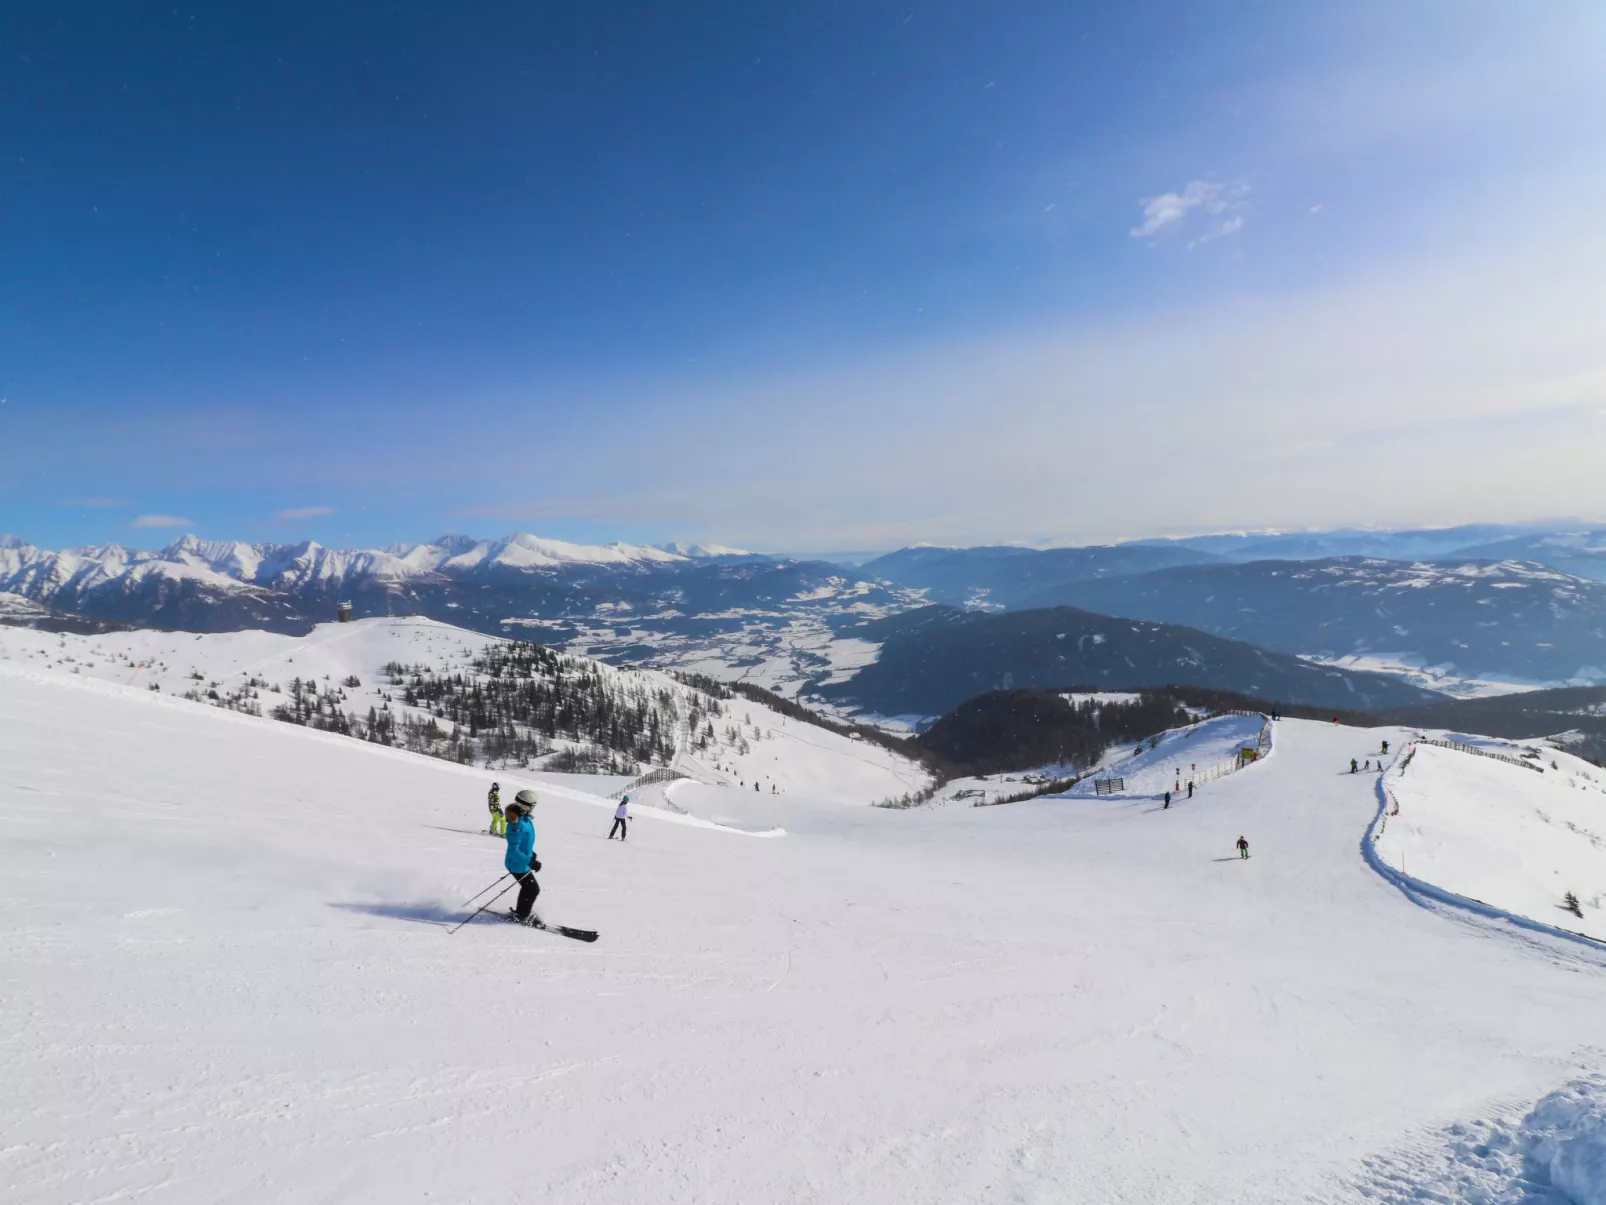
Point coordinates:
[(562, 930), (533, 922)]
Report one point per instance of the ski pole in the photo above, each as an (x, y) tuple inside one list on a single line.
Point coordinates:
[(482, 907), (477, 894)]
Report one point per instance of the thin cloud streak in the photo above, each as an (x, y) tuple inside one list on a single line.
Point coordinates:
[(144, 521)]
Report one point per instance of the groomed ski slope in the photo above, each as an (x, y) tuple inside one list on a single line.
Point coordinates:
[(228, 980)]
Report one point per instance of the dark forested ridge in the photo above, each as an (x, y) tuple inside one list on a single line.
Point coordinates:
[(936, 658), (1014, 729), (1002, 575), (1523, 620)]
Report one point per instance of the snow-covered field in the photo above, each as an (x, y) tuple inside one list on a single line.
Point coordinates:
[(1509, 837), (1446, 679), (227, 978)]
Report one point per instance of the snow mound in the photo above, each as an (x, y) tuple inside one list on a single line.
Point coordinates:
[(1553, 1155), (1568, 1130)]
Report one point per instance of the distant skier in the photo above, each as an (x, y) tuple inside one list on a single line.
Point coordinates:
[(1353, 765), (1243, 848), (1368, 764), (621, 815), (521, 861), (1385, 746), (494, 800), (1190, 788), (1167, 800), (755, 784)]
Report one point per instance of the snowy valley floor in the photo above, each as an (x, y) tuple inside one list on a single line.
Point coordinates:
[(227, 978)]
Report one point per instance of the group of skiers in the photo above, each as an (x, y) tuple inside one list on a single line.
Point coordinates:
[(513, 824), (1354, 767)]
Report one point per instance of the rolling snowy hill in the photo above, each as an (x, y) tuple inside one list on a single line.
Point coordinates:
[(350, 670), (229, 978)]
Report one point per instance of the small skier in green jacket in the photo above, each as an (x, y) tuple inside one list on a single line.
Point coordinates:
[(493, 800)]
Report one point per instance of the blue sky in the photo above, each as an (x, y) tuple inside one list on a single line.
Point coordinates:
[(800, 276)]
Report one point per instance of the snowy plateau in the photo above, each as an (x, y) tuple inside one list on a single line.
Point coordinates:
[(229, 976)]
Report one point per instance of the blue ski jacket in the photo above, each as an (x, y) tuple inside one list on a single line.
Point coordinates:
[(520, 845)]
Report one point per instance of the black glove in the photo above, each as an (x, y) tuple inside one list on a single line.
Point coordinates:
[(534, 866)]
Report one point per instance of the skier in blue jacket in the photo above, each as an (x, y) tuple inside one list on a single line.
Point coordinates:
[(521, 861)]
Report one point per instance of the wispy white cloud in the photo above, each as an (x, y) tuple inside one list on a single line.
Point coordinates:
[(161, 521), (306, 512), (1212, 210)]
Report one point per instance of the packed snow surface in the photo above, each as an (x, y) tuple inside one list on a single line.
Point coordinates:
[(228, 978), (1510, 837)]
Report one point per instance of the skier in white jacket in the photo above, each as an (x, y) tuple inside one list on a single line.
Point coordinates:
[(620, 815)]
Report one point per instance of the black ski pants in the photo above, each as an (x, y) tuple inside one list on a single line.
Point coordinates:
[(528, 890), (618, 827)]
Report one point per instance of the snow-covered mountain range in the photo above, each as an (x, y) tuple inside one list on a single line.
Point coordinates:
[(1462, 623), (222, 584), (708, 608), (57, 577)]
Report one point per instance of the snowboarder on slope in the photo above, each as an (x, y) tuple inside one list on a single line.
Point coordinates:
[(1243, 848), (621, 814), (1190, 788), (493, 800), (1167, 800), (1385, 746), (1353, 765), (520, 861)]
